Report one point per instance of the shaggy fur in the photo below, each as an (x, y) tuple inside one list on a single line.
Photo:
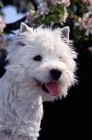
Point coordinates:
[(41, 68)]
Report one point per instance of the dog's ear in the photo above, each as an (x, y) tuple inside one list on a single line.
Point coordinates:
[(23, 28), (18, 39), (65, 32)]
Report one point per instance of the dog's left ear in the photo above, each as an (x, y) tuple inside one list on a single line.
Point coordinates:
[(65, 32)]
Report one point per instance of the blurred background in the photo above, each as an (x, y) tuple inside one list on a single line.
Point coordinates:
[(71, 117)]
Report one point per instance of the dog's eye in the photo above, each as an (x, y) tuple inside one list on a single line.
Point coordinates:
[(37, 58), (60, 58), (19, 43)]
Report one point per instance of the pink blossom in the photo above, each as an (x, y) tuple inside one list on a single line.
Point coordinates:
[(30, 18), (90, 2), (90, 49), (2, 24), (43, 9), (53, 2), (84, 1), (63, 19), (66, 2), (85, 23), (87, 1)]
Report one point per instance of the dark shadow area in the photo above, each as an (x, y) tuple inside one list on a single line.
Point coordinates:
[(3, 63)]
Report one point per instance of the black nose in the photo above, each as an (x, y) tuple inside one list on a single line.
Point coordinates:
[(55, 73)]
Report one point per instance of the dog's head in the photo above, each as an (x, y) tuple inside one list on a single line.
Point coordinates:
[(45, 59)]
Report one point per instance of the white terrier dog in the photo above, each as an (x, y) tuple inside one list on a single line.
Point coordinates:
[(41, 68)]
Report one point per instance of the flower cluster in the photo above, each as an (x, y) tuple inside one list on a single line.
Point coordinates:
[(49, 12), (64, 11), (85, 23), (80, 13), (74, 13), (87, 2), (2, 26)]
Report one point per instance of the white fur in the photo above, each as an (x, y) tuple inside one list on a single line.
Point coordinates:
[(21, 99)]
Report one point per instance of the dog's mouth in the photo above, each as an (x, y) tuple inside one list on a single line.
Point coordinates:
[(52, 88)]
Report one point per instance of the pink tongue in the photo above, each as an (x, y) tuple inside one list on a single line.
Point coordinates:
[(53, 88)]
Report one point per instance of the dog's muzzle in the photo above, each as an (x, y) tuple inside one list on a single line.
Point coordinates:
[(53, 88)]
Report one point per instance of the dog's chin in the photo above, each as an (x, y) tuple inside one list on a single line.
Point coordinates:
[(51, 88)]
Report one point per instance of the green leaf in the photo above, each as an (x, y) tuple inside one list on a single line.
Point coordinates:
[(1, 4), (76, 18), (53, 8)]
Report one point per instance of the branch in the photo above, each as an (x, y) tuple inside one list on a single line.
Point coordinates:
[(35, 3)]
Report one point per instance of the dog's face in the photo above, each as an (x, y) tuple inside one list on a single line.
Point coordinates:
[(45, 60)]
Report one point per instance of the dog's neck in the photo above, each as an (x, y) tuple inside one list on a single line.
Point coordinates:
[(24, 109)]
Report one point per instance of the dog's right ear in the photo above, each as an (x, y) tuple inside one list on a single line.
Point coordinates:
[(23, 28), (18, 41)]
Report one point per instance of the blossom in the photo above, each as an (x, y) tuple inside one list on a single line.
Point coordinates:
[(63, 19), (84, 1), (53, 2), (43, 9), (49, 11), (85, 23), (30, 17), (90, 49), (66, 3), (88, 3), (2, 24)]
